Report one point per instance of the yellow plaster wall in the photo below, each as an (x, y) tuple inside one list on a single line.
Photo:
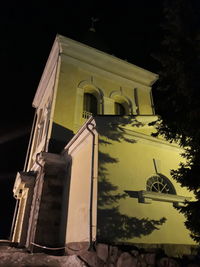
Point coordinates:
[(133, 166), (69, 102), (145, 105), (65, 98)]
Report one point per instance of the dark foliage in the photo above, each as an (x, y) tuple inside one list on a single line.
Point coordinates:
[(178, 96)]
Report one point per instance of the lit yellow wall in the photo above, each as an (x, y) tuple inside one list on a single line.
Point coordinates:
[(145, 105), (69, 97), (133, 166), (65, 98)]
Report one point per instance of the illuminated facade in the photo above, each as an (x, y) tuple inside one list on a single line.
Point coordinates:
[(93, 170)]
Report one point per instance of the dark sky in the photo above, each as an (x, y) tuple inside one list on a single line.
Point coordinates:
[(130, 29)]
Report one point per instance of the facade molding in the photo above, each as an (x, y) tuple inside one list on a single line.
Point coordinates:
[(90, 87), (141, 137), (147, 197), (106, 73), (122, 98), (23, 180), (102, 60), (120, 93), (50, 65)]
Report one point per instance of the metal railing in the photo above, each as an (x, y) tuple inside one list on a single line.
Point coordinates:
[(86, 114)]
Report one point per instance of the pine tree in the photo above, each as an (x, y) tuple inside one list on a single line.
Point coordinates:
[(178, 93)]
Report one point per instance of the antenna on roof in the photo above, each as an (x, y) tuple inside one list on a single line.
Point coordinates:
[(93, 20)]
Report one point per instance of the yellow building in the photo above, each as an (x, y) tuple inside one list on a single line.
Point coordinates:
[(94, 173)]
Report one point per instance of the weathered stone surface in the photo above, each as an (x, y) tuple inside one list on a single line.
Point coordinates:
[(102, 251), (90, 257), (48, 223), (127, 260), (15, 257), (150, 259), (135, 252), (114, 253), (71, 261), (167, 262), (142, 261)]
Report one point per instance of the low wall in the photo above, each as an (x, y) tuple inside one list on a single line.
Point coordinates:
[(130, 256)]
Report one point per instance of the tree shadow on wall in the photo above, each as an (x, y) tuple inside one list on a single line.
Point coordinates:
[(113, 128), (114, 226)]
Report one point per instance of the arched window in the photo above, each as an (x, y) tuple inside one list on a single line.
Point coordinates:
[(89, 105), (119, 109), (160, 184)]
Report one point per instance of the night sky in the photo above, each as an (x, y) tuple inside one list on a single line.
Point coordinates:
[(129, 29)]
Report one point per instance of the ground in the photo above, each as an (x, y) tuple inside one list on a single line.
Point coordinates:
[(13, 257)]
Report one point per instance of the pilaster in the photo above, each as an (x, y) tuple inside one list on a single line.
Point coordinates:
[(45, 219), (23, 192)]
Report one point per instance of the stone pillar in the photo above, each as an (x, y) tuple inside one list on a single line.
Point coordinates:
[(47, 203)]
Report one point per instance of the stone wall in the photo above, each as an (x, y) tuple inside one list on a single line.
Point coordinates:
[(102, 256), (126, 256)]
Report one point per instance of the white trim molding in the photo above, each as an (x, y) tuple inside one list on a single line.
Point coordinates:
[(105, 61), (147, 197)]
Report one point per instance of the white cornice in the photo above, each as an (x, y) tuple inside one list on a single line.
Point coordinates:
[(147, 138), (93, 57), (105, 61), (50, 65), (148, 196), (104, 73), (141, 137)]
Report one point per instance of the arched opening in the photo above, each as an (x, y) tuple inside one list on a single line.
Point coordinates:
[(121, 104), (119, 109), (160, 184), (89, 105)]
